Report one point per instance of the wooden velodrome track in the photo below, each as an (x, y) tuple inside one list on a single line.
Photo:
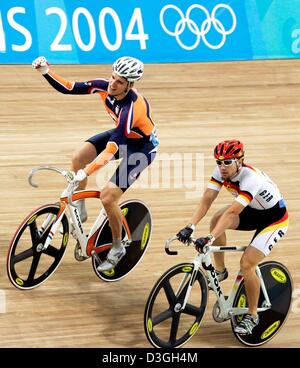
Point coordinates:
[(195, 106)]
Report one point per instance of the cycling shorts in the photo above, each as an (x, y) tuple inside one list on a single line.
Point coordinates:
[(136, 155), (270, 225)]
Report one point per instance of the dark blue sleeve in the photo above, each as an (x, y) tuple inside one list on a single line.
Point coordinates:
[(77, 88)]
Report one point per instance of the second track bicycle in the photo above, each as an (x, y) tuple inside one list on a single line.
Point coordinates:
[(40, 241), (178, 301)]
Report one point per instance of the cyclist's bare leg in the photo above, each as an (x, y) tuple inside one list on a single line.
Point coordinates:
[(83, 156), (249, 261), (110, 196), (220, 241)]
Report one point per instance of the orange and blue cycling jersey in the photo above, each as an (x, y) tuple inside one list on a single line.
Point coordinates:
[(134, 129), (132, 114)]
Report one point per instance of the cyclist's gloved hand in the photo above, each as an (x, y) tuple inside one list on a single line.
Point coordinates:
[(200, 243), (80, 175), (41, 64), (185, 233)]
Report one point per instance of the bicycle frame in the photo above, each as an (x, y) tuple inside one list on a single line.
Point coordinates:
[(68, 196), (204, 259)]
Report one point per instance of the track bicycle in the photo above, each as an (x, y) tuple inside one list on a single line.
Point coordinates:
[(40, 241), (178, 301)]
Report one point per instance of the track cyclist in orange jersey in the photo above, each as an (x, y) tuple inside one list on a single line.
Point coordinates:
[(133, 139), (258, 205)]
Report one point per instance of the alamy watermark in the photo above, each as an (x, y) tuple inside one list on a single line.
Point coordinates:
[(179, 171)]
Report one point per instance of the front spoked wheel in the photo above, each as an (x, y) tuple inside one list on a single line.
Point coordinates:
[(28, 266), (138, 217), (165, 324), (279, 285)]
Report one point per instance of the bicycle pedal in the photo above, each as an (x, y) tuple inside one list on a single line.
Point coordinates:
[(126, 243)]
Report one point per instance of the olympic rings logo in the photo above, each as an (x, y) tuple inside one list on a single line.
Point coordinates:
[(200, 31)]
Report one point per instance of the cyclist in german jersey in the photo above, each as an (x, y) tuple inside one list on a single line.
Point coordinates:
[(258, 205), (133, 139), (251, 187)]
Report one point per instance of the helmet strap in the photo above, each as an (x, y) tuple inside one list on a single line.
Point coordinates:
[(129, 86), (238, 167)]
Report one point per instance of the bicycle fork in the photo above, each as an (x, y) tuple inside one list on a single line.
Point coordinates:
[(197, 263), (76, 223), (42, 247)]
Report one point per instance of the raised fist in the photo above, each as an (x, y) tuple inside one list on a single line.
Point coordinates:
[(41, 64)]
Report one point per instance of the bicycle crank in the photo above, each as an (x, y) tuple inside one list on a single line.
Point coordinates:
[(78, 253)]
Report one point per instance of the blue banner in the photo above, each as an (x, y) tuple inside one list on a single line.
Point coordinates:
[(91, 31)]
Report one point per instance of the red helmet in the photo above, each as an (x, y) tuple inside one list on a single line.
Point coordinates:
[(231, 148)]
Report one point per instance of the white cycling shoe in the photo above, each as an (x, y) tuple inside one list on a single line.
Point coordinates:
[(247, 324), (113, 258)]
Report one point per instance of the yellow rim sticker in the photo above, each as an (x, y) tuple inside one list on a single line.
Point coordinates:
[(19, 281), (270, 330), (187, 269), (193, 328), (33, 218), (145, 235), (65, 239), (278, 275), (125, 211), (241, 304), (109, 273), (149, 325)]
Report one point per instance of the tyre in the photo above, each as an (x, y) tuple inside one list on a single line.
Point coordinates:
[(165, 324), (27, 265), (279, 286), (138, 217)]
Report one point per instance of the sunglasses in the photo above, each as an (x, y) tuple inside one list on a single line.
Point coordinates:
[(225, 162)]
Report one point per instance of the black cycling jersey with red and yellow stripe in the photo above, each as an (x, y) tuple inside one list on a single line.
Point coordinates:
[(251, 187), (132, 114)]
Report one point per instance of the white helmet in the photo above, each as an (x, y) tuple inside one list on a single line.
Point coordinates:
[(129, 68)]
